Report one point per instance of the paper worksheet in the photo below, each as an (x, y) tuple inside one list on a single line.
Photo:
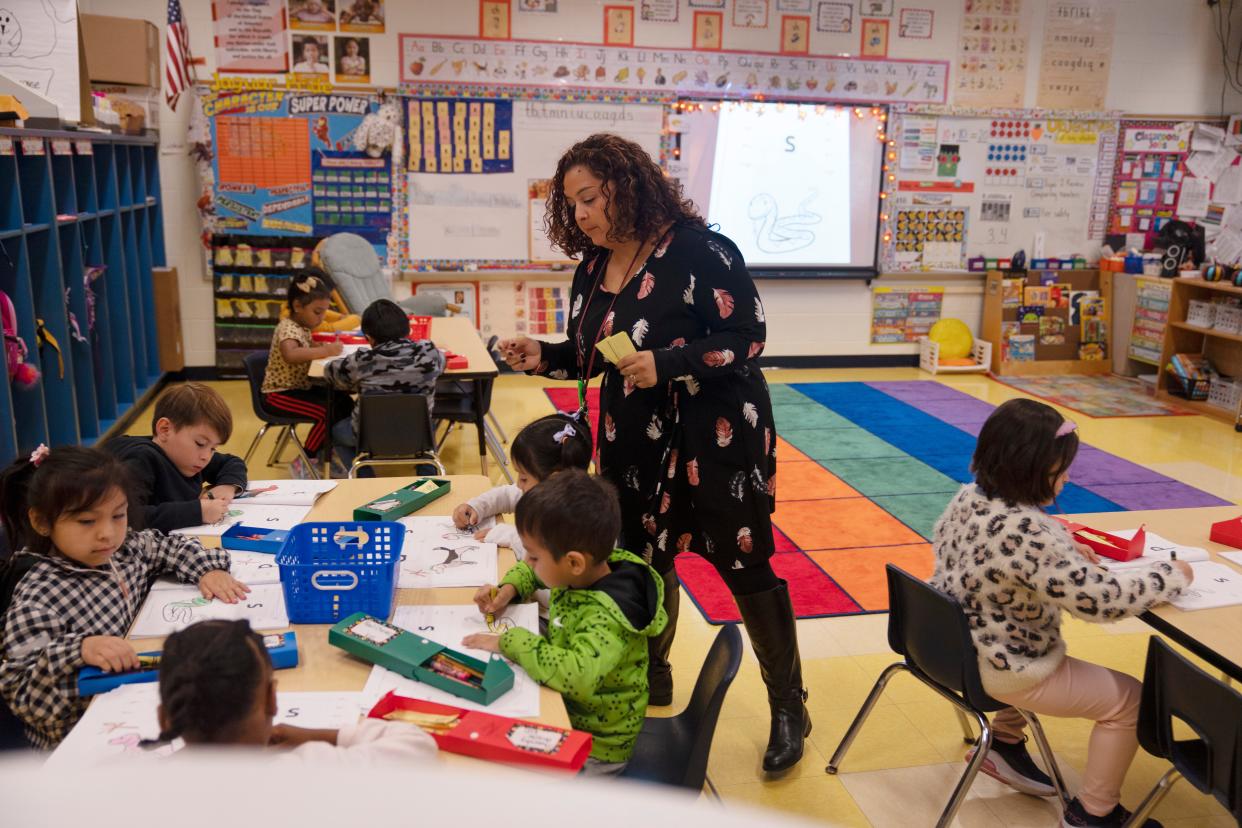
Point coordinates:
[(435, 553), (118, 720), (1157, 549), (168, 610), (1215, 585), (251, 568), (250, 514), (448, 625), (284, 492)]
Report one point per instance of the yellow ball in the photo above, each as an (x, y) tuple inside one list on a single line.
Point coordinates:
[(953, 337)]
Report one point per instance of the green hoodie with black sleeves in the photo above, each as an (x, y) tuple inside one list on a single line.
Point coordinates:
[(595, 652)]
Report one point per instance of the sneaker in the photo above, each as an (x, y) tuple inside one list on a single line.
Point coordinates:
[(1011, 764), (339, 470), (298, 470), (1076, 816)]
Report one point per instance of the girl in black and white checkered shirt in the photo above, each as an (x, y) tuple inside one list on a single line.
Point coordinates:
[(86, 573)]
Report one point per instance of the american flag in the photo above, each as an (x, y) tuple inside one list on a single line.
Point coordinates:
[(177, 72)]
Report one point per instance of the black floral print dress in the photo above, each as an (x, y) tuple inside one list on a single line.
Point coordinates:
[(694, 457)]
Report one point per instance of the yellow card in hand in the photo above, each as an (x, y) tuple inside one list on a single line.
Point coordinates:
[(616, 347)]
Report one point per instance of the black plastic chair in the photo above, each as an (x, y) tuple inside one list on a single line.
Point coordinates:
[(394, 429), (456, 402), (256, 367), (1173, 689), (929, 630), (674, 750)]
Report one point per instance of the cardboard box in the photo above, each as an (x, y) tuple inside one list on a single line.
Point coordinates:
[(403, 501), (496, 738), (407, 654), (282, 648), (1227, 532), (1110, 546), (121, 50), (168, 318), (129, 99)]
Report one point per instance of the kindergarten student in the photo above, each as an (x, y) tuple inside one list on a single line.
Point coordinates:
[(606, 603), (1014, 570), (287, 385), (172, 466), (68, 509), (394, 364), (217, 688)]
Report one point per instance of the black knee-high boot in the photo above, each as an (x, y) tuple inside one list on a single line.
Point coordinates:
[(659, 671), (769, 620)]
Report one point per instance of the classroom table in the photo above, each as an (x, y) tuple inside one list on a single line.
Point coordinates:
[(326, 668), (1211, 634), (457, 334)]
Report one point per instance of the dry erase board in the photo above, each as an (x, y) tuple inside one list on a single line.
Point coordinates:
[(989, 185), (484, 202)]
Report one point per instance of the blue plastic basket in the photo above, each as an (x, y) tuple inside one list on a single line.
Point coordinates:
[(329, 571)]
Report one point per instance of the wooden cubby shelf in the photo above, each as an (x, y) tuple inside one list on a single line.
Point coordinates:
[(1223, 349), (59, 216)]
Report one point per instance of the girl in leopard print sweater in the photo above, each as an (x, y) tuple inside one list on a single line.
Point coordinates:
[(1014, 570)]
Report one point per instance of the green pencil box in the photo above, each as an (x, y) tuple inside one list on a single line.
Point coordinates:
[(403, 501), (408, 654)]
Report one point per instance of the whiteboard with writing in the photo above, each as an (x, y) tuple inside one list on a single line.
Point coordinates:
[(1026, 183), (488, 216)]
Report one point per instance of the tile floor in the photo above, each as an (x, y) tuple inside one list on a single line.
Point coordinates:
[(904, 763)]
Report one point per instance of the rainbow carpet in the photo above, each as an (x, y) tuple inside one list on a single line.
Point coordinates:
[(864, 471)]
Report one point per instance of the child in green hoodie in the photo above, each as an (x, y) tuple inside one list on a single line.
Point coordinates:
[(605, 604)]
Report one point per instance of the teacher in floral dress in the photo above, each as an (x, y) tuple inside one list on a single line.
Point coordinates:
[(686, 422)]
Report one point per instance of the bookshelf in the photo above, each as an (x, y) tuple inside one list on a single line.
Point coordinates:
[(71, 201), (1222, 348)]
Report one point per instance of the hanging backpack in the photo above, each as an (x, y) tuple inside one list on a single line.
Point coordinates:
[(20, 371)]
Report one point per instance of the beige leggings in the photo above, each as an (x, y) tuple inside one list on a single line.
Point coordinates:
[(1080, 690)]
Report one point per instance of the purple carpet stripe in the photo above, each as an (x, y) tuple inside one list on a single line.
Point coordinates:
[(1169, 494), (907, 390), (1093, 466)]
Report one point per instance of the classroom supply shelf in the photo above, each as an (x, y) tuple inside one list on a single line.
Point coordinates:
[(250, 276), (1055, 350), (71, 203), (1222, 348)]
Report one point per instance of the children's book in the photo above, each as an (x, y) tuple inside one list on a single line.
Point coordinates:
[(1038, 296), (1030, 314), (1052, 330), (251, 514), (448, 624), (1061, 295), (1093, 320), (168, 610), (285, 492), (117, 721), (1091, 351), (1077, 297), (1012, 295), (1022, 348)]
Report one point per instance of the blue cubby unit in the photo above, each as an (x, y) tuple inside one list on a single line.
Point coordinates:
[(59, 216)]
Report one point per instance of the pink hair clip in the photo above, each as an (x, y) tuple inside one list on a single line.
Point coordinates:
[(39, 455), (1067, 427)]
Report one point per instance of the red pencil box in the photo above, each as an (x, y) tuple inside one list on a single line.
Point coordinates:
[(1110, 546), (343, 338), (1227, 532), (498, 738)]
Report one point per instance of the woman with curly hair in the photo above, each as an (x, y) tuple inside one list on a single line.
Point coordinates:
[(686, 422)]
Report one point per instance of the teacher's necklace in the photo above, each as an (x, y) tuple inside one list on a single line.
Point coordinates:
[(583, 379)]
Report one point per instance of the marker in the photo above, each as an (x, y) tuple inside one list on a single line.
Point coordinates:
[(490, 617), (148, 662), (1172, 554)]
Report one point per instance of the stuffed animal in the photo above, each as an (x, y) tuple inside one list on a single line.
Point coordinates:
[(20, 371), (378, 130)]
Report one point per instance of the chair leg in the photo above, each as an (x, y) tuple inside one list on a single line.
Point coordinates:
[(1045, 750), (1153, 798), (968, 777), (281, 441), (302, 453), (444, 437), (504, 438), (498, 453), (968, 735), (715, 794), (254, 444), (848, 739)]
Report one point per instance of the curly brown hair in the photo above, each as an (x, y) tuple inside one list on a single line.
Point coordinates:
[(641, 198)]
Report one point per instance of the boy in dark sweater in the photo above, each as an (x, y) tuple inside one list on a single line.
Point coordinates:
[(183, 480)]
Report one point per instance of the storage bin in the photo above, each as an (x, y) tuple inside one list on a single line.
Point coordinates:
[(1225, 392), (1228, 319), (1201, 314), (330, 571)]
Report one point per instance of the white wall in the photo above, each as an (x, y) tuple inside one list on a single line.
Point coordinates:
[(1166, 60)]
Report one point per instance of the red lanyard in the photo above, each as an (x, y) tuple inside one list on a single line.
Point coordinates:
[(583, 379)]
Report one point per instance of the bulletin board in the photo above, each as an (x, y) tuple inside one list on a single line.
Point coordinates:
[(967, 184), (285, 163)]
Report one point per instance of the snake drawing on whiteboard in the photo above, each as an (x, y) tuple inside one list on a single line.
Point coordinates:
[(775, 233)]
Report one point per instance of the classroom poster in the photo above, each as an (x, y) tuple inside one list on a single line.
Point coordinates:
[(1151, 314), (992, 54), (351, 56), (362, 16), (312, 15), (463, 295), (1076, 54), (834, 17), (250, 35), (542, 309), (459, 135), (660, 11), (39, 49), (287, 163), (900, 315), (536, 63)]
